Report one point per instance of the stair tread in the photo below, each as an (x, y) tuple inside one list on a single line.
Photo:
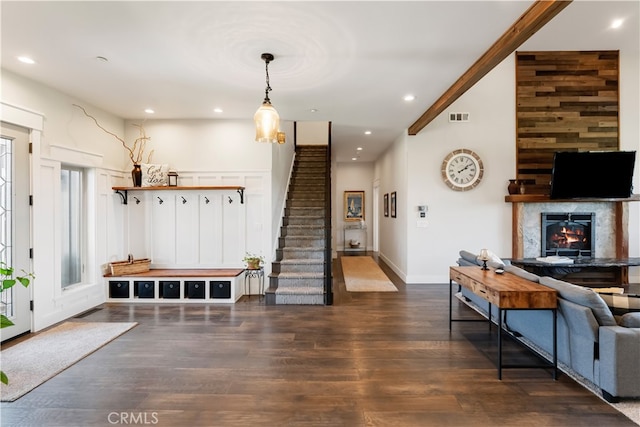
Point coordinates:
[(301, 275), (301, 261), (305, 217), (303, 291)]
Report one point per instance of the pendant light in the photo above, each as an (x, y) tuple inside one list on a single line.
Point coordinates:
[(266, 118)]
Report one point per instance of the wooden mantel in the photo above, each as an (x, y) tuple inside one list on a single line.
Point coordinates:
[(544, 198), (621, 213)]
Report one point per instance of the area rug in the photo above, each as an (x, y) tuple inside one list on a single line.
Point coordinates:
[(629, 407), (39, 358), (362, 274)]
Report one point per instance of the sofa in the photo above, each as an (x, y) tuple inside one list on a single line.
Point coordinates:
[(602, 348)]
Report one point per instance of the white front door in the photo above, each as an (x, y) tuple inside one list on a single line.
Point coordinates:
[(15, 225)]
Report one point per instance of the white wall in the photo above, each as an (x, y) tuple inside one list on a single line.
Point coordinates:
[(66, 125), (473, 219), (392, 174), (282, 163), (204, 145)]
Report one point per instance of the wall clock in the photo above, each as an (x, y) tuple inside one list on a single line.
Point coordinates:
[(462, 170)]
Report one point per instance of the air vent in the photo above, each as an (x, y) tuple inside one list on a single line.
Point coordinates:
[(458, 117)]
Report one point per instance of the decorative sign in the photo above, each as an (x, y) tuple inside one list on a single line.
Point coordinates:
[(154, 175)]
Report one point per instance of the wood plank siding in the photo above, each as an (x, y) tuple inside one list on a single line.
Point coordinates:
[(565, 101)]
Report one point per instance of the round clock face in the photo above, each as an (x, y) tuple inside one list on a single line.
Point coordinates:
[(462, 170)]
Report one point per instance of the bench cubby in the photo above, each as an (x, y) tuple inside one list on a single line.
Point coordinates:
[(177, 285)]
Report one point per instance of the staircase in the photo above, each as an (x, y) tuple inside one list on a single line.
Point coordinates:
[(298, 274)]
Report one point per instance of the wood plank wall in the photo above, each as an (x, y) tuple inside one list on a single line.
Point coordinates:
[(565, 101)]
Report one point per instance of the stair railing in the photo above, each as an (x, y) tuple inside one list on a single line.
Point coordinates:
[(328, 276)]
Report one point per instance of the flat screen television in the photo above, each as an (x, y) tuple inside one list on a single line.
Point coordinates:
[(592, 174)]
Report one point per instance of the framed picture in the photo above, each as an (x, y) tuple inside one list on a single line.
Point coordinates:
[(386, 204), (353, 205), (393, 204)]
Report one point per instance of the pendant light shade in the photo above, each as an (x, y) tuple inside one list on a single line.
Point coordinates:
[(267, 119), (267, 123)]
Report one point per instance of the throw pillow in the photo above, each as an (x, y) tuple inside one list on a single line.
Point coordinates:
[(154, 175), (630, 320)]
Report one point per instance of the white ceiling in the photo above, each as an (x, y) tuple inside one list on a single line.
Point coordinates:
[(351, 61)]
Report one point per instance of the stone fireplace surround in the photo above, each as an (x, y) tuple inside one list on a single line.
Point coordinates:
[(611, 228), (604, 245), (612, 262)]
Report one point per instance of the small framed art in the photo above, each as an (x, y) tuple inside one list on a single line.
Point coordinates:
[(386, 204), (353, 205), (393, 204)]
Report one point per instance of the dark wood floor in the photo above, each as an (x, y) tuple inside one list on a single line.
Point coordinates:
[(371, 359)]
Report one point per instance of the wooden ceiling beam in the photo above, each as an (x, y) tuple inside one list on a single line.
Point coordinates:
[(534, 18)]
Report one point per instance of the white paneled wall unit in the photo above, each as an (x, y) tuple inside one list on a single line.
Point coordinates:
[(207, 225), (188, 227)]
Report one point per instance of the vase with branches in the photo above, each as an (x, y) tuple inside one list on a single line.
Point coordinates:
[(135, 150)]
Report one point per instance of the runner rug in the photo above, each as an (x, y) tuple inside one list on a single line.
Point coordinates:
[(41, 357), (362, 274)]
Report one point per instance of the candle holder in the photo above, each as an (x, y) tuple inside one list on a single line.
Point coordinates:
[(484, 257)]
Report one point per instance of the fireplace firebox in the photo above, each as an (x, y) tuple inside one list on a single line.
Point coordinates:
[(570, 234)]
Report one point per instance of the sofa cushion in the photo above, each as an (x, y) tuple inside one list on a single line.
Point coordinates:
[(582, 296), (521, 273), (630, 320)]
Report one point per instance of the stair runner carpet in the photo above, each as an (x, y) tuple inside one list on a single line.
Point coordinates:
[(298, 274)]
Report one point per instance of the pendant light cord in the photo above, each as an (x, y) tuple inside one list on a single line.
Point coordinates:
[(268, 88)]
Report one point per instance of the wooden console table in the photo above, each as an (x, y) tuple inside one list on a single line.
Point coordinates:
[(507, 292)]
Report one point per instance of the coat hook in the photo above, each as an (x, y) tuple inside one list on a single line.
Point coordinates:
[(161, 201), (206, 200), (183, 200), (230, 199), (137, 200)]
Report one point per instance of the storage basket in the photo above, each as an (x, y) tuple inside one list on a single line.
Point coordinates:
[(122, 268)]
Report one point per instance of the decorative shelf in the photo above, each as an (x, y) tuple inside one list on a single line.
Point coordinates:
[(123, 191), (544, 198)]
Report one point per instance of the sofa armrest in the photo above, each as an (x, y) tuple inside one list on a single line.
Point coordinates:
[(619, 361)]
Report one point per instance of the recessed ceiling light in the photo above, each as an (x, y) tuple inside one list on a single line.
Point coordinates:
[(26, 60), (367, 132), (359, 148), (217, 110), (149, 111), (354, 158), (409, 97), (617, 23), (313, 110)]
